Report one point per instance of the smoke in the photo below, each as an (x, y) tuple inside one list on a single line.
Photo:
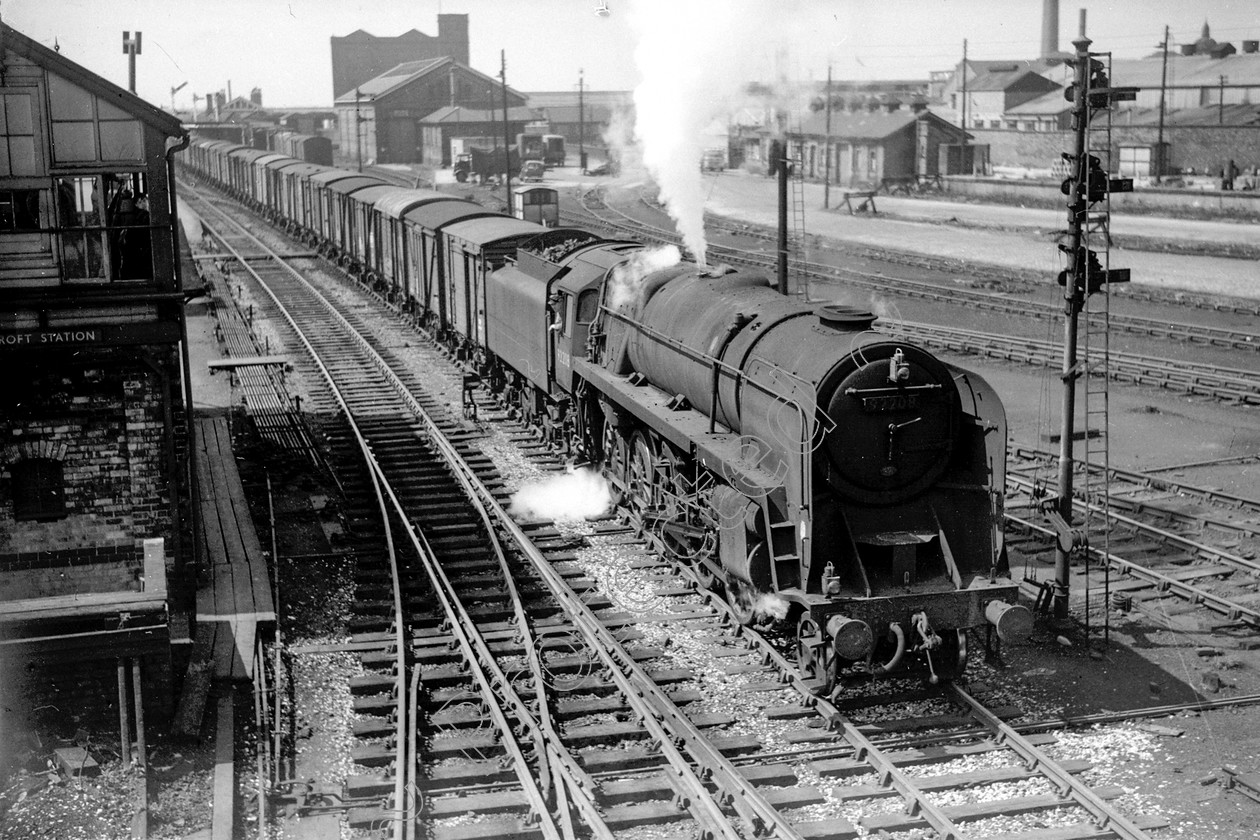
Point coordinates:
[(619, 136), (626, 283), (770, 606), (693, 59), (576, 494)]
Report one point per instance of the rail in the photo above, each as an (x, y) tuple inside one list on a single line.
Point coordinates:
[(400, 641), (1149, 479), (494, 683), (1192, 547), (1105, 817), (1164, 583)]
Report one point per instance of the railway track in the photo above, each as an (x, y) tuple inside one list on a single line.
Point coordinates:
[(1188, 506), (515, 697), (1177, 548)]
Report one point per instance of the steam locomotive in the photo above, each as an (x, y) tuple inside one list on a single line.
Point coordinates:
[(826, 476)]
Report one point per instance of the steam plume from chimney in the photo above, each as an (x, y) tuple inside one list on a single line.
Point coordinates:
[(693, 58)]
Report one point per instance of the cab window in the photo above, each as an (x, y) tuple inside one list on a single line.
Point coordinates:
[(560, 314), (588, 306)]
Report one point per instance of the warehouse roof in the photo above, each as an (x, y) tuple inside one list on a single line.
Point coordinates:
[(408, 72)]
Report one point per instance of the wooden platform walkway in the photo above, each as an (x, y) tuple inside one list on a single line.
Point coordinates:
[(236, 596)]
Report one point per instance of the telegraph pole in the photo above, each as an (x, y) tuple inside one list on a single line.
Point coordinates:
[(1163, 84), (827, 148), (779, 160), (581, 124), (1220, 105), (358, 129), (507, 132), (963, 162), (132, 48)]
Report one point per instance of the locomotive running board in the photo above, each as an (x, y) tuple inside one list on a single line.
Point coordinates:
[(721, 452)]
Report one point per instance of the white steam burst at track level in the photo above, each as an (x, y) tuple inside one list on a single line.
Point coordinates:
[(576, 494), (768, 606), (693, 59)]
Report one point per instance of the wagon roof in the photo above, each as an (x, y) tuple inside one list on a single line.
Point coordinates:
[(438, 214), (207, 143), (331, 175), (396, 204), (293, 166), (369, 195), (249, 154), (346, 186), (483, 231)]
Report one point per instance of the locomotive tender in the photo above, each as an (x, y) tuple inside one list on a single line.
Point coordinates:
[(819, 471)]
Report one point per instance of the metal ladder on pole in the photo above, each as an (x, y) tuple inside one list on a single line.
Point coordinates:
[(1095, 346)]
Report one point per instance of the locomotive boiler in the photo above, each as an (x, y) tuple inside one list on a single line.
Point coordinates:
[(821, 471)]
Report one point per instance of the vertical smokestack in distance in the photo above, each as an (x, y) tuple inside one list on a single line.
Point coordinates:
[(1049, 27)]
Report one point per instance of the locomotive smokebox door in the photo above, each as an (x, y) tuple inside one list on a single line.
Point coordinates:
[(895, 412)]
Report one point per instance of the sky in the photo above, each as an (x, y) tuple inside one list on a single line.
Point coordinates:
[(282, 46)]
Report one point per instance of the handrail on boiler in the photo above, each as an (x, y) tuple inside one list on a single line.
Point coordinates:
[(804, 414)]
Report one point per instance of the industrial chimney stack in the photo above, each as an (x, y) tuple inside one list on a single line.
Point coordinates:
[(1049, 28)]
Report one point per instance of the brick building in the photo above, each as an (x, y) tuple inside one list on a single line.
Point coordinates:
[(1199, 148), (361, 56), (871, 147), (94, 441), (383, 117), (484, 127)]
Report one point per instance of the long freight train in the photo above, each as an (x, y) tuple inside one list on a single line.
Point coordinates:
[(845, 482)]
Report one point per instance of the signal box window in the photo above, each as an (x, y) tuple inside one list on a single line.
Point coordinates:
[(39, 490), (104, 223), (86, 128), (19, 209), (17, 136)]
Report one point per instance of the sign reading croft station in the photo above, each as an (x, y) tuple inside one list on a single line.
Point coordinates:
[(90, 335), (27, 339)]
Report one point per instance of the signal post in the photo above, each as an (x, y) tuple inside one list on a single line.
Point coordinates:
[(1087, 186)]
